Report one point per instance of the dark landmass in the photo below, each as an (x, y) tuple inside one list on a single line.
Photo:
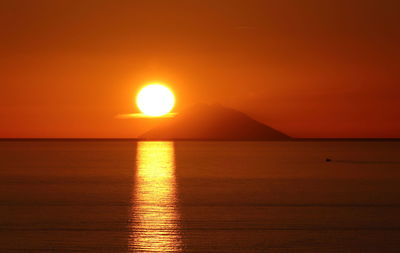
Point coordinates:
[(204, 122), (213, 122)]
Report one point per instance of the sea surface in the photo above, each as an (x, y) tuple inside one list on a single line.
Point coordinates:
[(127, 196)]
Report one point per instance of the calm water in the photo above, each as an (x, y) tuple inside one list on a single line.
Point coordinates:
[(126, 196)]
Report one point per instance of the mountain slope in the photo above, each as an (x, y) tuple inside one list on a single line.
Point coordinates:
[(213, 122)]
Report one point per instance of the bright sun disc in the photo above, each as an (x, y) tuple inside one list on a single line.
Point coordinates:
[(155, 100)]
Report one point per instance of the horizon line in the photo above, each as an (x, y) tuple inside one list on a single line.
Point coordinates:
[(222, 140)]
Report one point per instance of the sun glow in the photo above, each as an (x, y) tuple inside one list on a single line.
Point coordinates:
[(155, 100)]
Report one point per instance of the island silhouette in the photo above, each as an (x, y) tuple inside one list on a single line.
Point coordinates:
[(213, 122)]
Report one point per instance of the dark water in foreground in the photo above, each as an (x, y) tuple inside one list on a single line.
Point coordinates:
[(199, 197)]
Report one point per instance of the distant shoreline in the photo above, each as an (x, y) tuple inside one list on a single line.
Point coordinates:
[(205, 140)]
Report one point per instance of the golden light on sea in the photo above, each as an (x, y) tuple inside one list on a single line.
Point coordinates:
[(154, 216)]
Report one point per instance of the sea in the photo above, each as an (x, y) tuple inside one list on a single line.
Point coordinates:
[(187, 196)]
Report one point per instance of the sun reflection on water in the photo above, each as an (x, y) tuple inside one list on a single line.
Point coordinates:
[(154, 217)]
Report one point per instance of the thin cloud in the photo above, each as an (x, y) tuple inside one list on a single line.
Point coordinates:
[(245, 27), (143, 116)]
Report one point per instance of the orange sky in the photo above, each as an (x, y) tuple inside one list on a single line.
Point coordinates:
[(308, 68)]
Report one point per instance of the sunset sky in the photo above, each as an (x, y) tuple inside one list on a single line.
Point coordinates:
[(309, 68)]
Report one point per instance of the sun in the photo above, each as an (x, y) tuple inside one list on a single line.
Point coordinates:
[(155, 100)]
